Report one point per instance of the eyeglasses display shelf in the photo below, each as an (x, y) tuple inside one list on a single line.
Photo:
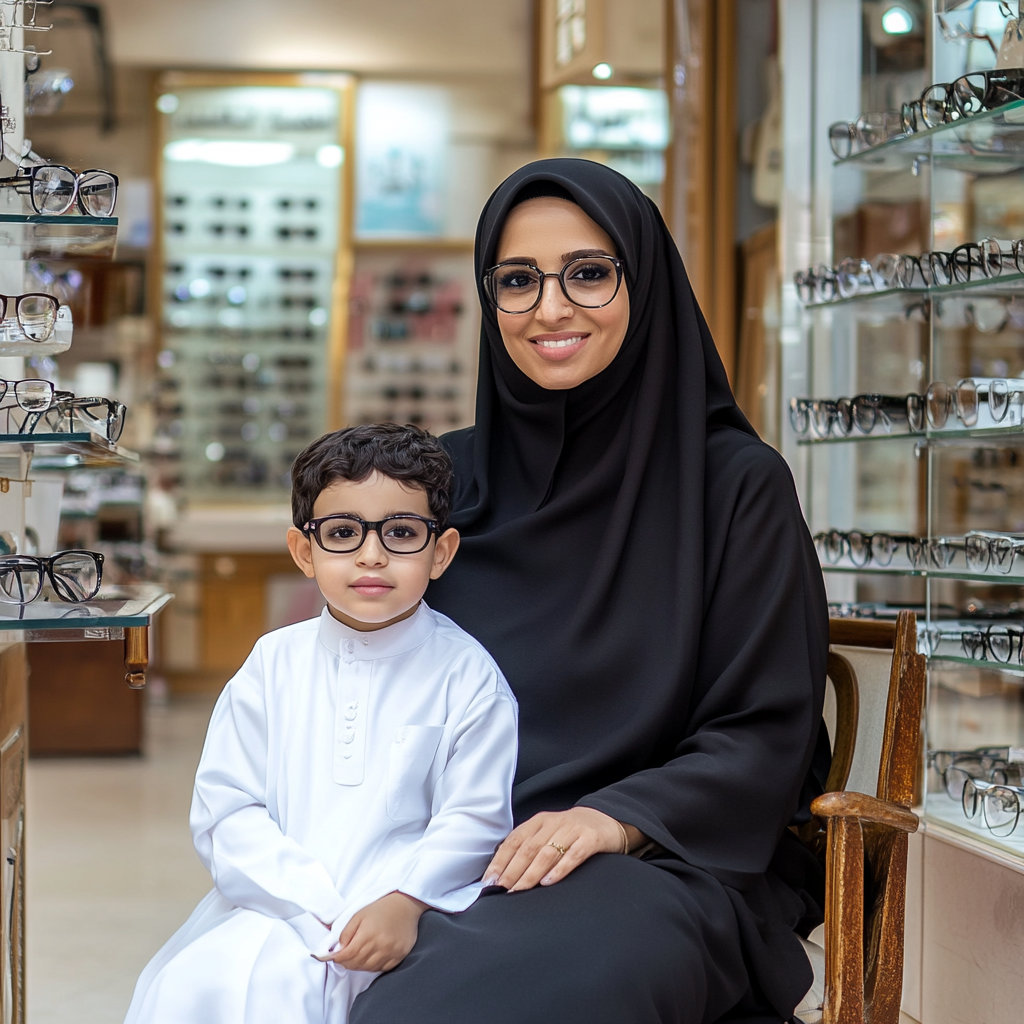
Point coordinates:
[(66, 237), (916, 201), (106, 617), (66, 451)]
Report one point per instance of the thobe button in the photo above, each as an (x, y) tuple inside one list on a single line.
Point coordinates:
[(350, 646), (347, 754), (350, 715), (366, 640)]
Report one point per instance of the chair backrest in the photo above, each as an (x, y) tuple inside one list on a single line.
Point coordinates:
[(876, 687)]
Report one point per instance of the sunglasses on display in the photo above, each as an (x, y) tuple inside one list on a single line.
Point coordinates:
[(54, 189), (74, 576)]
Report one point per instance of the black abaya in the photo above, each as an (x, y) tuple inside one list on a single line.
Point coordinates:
[(636, 561)]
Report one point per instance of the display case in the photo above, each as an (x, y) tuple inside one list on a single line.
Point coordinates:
[(253, 228), (914, 485)]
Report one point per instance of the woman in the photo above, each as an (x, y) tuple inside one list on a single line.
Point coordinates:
[(636, 561)]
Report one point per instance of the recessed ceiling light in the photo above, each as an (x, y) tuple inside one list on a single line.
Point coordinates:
[(603, 71)]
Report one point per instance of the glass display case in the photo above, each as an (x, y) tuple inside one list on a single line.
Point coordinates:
[(253, 235), (413, 336), (908, 424)]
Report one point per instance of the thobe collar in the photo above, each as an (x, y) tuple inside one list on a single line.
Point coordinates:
[(355, 645)]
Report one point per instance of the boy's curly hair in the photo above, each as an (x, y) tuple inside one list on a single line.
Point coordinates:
[(402, 453)]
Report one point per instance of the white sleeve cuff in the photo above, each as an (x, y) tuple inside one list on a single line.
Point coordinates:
[(314, 933)]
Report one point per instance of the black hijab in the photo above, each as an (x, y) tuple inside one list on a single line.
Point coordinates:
[(636, 561)]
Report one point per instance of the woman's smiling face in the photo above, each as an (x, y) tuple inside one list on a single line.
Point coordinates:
[(558, 344)]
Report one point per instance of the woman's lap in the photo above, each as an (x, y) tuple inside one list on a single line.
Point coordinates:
[(617, 942)]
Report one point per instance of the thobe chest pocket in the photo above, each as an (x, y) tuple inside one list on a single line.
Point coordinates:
[(409, 783)]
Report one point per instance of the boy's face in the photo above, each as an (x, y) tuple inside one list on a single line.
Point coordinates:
[(371, 587)]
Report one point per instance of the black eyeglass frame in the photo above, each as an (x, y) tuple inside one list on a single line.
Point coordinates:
[(27, 176), (44, 566), (313, 527), (488, 282)]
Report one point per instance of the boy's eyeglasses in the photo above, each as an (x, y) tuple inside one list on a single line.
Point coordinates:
[(589, 282), (54, 189), (401, 535)]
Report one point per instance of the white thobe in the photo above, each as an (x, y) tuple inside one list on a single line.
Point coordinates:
[(339, 766)]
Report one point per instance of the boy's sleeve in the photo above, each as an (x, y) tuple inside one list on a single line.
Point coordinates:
[(253, 864)]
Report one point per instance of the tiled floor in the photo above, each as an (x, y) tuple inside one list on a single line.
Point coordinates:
[(111, 869)]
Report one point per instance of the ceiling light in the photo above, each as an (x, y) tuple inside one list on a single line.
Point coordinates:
[(167, 103), (897, 21), (330, 156), (603, 71)]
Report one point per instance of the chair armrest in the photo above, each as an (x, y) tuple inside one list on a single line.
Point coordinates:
[(866, 809)]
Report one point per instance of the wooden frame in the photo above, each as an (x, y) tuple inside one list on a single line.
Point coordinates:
[(865, 836), (700, 171)]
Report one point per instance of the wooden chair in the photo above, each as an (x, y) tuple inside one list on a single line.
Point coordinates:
[(878, 703)]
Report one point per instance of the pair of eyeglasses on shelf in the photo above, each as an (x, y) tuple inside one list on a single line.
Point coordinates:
[(997, 805), (30, 394), (73, 575), (993, 552), (32, 316), (826, 417), (103, 416), (939, 104), (54, 189)]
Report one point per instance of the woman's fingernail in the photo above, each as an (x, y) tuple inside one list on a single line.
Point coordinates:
[(546, 880), (491, 880)]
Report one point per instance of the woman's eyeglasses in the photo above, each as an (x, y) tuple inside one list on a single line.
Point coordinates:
[(73, 576), (54, 189), (589, 282), (401, 535)]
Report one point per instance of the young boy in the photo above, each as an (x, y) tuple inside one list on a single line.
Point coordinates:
[(358, 768)]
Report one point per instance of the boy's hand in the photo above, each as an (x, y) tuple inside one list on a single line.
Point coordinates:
[(380, 936)]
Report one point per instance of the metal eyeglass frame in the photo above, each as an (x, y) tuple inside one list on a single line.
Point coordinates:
[(488, 282), (314, 525)]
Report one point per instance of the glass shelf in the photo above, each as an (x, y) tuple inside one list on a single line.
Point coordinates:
[(104, 618), (944, 574), (70, 237), (66, 451), (1012, 668), (995, 138), (859, 438), (896, 300), (940, 809)]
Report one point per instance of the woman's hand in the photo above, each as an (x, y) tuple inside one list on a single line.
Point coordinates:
[(530, 854)]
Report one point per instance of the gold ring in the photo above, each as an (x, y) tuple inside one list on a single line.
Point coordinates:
[(561, 849)]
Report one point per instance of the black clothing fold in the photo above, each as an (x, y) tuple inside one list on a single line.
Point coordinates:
[(636, 561)]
